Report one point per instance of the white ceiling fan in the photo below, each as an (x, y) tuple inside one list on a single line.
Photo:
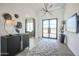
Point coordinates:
[(47, 7)]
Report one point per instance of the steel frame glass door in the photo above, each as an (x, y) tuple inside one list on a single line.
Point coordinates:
[(49, 28), (45, 26)]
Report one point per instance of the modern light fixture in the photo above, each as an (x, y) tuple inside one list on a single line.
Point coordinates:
[(49, 8), (18, 26), (16, 15), (11, 22), (8, 19)]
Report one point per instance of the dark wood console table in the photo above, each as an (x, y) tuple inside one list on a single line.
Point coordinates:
[(11, 44)]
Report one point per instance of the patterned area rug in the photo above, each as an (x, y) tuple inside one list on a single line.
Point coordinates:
[(50, 47)]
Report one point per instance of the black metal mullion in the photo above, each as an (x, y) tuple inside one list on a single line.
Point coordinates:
[(49, 28)]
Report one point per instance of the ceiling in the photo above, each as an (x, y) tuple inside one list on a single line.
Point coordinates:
[(34, 6)]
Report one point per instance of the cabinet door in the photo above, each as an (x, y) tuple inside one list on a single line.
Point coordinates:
[(4, 46), (25, 41), (13, 44)]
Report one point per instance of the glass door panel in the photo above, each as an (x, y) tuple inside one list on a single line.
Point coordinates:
[(53, 28), (45, 28), (53, 33)]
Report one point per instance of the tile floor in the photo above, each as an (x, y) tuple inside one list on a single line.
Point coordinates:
[(46, 47)]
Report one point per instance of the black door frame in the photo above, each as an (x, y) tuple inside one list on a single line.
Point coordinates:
[(49, 27)]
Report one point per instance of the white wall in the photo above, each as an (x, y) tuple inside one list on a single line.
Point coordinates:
[(72, 38)]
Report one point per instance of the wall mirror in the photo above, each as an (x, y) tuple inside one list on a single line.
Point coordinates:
[(30, 26)]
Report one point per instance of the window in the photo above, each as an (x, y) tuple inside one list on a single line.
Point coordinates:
[(29, 27)]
